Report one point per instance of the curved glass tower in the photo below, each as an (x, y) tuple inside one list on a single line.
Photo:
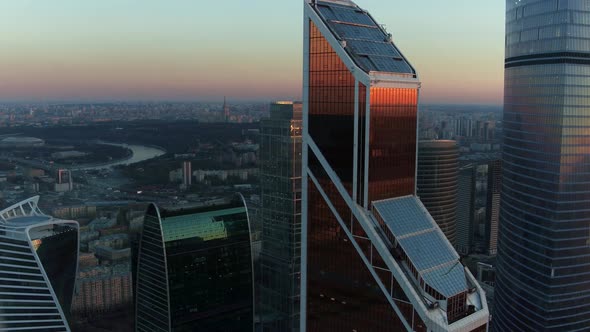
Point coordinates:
[(38, 268), (543, 280), (438, 176), (195, 269)]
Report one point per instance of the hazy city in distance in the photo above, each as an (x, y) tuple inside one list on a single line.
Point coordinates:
[(297, 166)]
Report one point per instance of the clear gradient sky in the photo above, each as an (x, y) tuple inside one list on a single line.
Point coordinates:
[(98, 50)]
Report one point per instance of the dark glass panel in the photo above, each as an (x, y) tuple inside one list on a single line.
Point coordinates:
[(331, 101), (342, 294), (58, 253), (210, 273)]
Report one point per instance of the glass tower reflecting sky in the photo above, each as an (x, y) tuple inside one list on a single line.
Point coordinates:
[(373, 259), (543, 280)]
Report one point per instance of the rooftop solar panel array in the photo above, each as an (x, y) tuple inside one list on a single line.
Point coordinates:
[(366, 42), (366, 48), (403, 216), (424, 244), (335, 12), (352, 32), (428, 250)]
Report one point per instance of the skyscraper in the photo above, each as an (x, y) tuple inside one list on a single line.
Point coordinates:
[(226, 111), (438, 167), (373, 259), (187, 174), (38, 267), (280, 177), (493, 206), (543, 279), (195, 269), (465, 209)]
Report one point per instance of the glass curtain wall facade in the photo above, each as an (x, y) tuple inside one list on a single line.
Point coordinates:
[(438, 167), (359, 147), (543, 279), (280, 177), (466, 209), (493, 206), (38, 268), (195, 269)]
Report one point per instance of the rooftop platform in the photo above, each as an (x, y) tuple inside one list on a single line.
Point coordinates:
[(424, 244)]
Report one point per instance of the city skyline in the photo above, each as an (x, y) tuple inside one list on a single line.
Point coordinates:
[(107, 51)]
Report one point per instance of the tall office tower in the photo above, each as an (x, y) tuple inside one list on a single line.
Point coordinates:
[(493, 206), (438, 167), (38, 267), (542, 281), (280, 179), (195, 269), (465, 209), (373, 259), (187, 174), (226, 112)]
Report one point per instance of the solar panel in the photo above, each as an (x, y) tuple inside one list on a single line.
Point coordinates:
[(403, 215), (390, 65), (353, 16), (347, 31), (328, 13), (372, 48), (367, 44), (428, 250), (447, 280), (363, 62), (345, 14)]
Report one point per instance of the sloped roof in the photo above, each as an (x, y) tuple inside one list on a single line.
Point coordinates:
[(369, 46), (424, 243)]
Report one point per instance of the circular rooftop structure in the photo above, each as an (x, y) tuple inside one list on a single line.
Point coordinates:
[(23, 214), (27, 220), (21, 142)]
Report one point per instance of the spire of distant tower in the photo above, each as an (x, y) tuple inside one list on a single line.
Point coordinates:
[(225, 110)]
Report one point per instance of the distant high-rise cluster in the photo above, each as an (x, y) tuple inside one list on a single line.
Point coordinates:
[(543, 279), (373, 259), (38, 267)]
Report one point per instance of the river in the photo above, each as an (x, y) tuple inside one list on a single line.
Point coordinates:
[(139, 153)]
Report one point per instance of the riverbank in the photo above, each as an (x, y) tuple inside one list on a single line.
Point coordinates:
[(138, 154)]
